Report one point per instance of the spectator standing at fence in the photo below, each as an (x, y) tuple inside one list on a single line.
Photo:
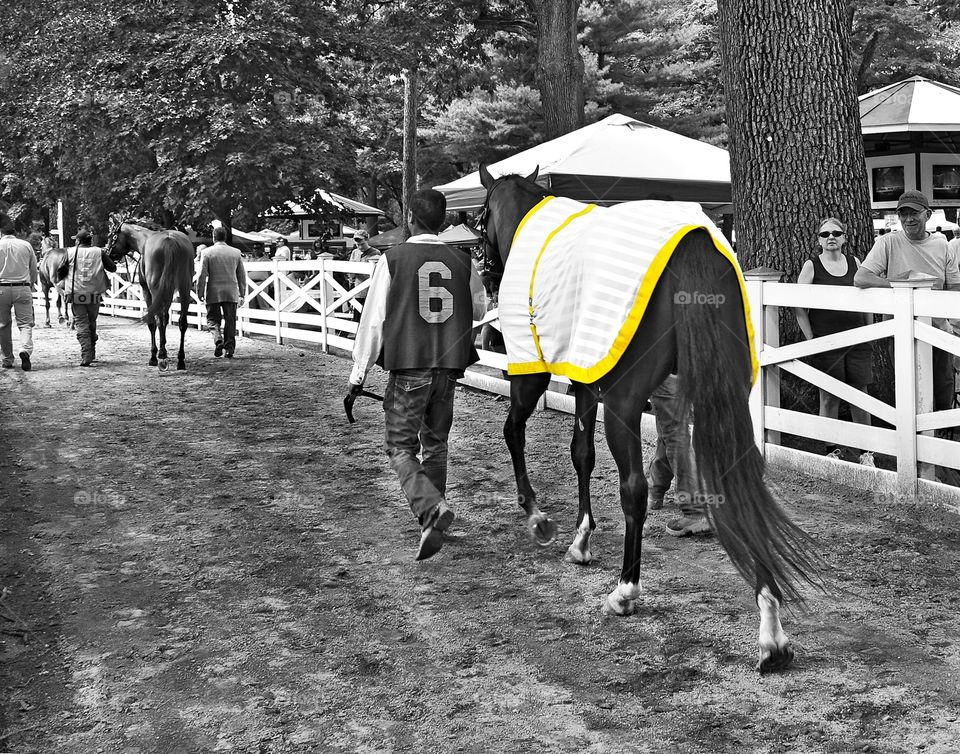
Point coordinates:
[(18, 274), (283, 251), (418, 325), (222, 285), (362, 252), (896, 255), (852, 365), (84, 275)]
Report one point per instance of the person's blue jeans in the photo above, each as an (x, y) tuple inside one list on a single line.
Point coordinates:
[(674, 453), (418, 413)]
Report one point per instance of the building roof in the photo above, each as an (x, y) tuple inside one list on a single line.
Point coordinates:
[(336, 201), (916, 104)]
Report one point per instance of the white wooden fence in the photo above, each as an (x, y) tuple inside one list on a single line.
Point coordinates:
[(312, 301)]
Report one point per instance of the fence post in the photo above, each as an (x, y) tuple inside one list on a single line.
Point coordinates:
[(277, 301), (323, 305), (913, 377), (766, 331)]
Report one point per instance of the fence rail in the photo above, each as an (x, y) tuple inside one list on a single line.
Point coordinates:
[(314, 301)]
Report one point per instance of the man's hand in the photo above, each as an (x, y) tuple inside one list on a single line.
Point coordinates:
[(350, 398)]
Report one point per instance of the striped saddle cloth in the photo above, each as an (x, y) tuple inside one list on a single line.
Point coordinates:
[(579, 276)]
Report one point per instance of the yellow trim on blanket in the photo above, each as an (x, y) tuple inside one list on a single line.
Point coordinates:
[(536, 263), (629, 327)]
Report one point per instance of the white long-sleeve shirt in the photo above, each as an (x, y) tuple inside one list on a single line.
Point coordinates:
[(369, 342)]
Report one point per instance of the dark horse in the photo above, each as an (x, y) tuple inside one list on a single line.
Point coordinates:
[(165, 268), (48, 268), (707, 346)]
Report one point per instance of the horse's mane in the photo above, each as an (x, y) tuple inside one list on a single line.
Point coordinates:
[(145, 224)]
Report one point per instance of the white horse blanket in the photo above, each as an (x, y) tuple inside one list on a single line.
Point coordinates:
[(579, 277)]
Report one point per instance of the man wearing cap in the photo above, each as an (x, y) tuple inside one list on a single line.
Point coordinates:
[(895, 255), (84, 277), (362, 252), (18, 273)]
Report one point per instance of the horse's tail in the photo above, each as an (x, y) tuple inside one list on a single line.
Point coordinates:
[(172, 269), (713, 364)]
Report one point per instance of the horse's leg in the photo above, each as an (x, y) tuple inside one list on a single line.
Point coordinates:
[(525, 391), (184, 315), (46, 303), (622, 426), (151, 324), (163, 320), (776, 653), (583, 452)]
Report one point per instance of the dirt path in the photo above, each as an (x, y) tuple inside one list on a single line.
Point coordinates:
[(214, 561)]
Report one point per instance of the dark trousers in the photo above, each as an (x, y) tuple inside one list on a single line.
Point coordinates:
[(674, 454), (225, 312), (85, 318), (943, 380), (418, 413)]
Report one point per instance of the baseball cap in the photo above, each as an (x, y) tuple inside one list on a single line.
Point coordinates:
[(914, 200), (82, 235), (360, 234)]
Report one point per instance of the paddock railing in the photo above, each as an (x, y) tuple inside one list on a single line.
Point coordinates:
[(315, 301), (905, 430)]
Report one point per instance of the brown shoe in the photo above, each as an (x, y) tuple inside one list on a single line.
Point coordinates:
[(25, 361)]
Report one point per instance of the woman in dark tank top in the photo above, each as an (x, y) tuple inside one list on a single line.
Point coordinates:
[(851, 365)]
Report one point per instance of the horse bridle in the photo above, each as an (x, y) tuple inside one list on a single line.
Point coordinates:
[(492, 266), (112, 239)]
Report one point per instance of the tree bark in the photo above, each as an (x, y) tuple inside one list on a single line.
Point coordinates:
[(410, 84), (559, 65), (796, 150)]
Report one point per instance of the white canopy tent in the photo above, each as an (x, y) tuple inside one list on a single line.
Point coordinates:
[(613, 160)]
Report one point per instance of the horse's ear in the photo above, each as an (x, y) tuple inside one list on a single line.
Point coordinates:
[(485, 178), (533, 176)]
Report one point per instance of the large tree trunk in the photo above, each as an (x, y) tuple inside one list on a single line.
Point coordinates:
[(559, 65), (796, 150), (409, 138)]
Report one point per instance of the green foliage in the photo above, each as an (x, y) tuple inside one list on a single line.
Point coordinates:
[(911, 40)]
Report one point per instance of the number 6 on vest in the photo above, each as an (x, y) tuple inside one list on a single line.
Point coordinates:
[(429, 293)]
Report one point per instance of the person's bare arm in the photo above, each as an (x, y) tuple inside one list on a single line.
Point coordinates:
[(803, 317), (866, 279)]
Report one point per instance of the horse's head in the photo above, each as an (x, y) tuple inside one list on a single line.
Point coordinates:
[(120, 241), (509, 199)]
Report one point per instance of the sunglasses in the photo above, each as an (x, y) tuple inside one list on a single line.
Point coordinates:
[(828, 233)]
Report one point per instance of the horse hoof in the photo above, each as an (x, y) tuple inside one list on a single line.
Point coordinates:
[(152, 362), (578, 557), (162, 365), (542, 530), (181, 366), (616, 606), (774, 659), (48, 325)]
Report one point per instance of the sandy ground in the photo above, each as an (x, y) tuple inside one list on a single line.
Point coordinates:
[(213, 560)]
